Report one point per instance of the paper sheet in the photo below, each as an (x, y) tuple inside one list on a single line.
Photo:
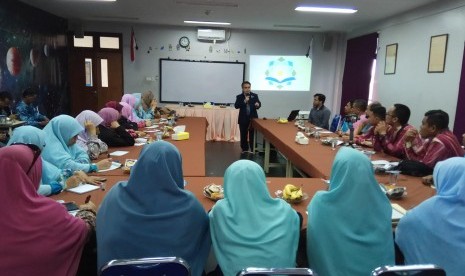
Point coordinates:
[(119, 153), (397, 212), (83, 188), (114, 166)]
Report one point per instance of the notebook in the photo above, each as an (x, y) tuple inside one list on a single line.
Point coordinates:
[(293, 115), (83, 188)]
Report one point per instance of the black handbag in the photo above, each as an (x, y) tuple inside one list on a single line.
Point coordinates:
[(414, 168)]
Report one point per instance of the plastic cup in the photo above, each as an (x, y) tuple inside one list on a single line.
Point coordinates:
[(159, 135), (393, 176), (334, 143), (317, 135)]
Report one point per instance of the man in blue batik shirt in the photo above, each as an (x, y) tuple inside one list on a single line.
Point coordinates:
[(29, 113)]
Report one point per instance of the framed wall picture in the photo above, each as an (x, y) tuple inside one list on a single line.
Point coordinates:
[(437, 53), (391, 59)]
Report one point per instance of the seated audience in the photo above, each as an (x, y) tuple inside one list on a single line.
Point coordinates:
[(366, 125), (53, 180), (376, 115), (319, 114), (29, 113), (438, 142), (339, 123), (390, 135), (152, 215), (147, 107), (88, 138), (132, 101), (5, 101), (359, 108), (63, 152), (115, 105), (38, 236), (349, 226), (432, 232), (249, 227), (110, 130), (127, 119)]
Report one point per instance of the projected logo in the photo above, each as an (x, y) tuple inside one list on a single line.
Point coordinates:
[(280, 73)]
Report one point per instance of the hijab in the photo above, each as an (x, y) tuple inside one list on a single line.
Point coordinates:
[(58, 132), (35, 136), (249, 227), (129, 99), (349, 228), (152, 215), (115, 105), (38, 236), (128, 113), (87, 115), (146, 100), (433, 231), (108, 115)]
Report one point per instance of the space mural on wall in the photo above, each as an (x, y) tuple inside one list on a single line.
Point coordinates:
[(33, 53)]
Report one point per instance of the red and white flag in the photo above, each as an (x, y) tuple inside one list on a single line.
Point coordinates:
[(133, 45)]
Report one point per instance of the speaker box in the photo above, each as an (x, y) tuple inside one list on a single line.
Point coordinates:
[(327, 42)]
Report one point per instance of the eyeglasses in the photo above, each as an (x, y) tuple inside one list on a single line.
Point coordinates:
[(35, 149)]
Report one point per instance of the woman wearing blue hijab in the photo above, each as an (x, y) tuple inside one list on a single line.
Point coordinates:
[(249, 228), (151, 215), (62, 151), (349, 228), (51, 182), (433, 232)]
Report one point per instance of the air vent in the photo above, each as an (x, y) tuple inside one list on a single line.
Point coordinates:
[(208, 3)]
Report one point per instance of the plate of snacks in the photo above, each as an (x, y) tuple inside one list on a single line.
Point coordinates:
[(292, 194), (213, 192)]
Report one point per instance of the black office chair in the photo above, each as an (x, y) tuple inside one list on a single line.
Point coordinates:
[(409, 270), (163, 266), (274, 271)]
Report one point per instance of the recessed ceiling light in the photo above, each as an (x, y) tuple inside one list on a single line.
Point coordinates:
[(206, 22), (322, 9)]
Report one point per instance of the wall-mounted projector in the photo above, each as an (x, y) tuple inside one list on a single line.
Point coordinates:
[(211, 34)]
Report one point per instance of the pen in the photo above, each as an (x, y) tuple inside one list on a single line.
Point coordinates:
[(87, 199)]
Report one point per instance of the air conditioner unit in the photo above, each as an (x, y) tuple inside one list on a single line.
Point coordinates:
[(211, 34)]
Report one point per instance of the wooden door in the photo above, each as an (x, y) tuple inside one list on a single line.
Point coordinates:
[(95, 74)]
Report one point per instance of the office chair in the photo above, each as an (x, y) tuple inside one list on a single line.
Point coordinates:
[(163, 266), (407, 270), (274, 271)]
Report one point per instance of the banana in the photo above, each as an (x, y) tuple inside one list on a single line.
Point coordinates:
[(292, 192)]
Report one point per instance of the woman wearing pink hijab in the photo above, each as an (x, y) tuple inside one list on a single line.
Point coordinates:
[(111, 132), (38, 236)]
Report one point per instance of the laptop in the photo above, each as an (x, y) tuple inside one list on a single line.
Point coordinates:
[(293, 115)]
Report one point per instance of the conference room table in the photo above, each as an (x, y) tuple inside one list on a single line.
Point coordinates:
[(222, 121), (192, 150)]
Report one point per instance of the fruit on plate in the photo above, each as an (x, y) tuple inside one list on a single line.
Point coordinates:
[(292, 193), (214, 191)]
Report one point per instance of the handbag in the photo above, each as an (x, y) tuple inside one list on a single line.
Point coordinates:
[(414, 168)]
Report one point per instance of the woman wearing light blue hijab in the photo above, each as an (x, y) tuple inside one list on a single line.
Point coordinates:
[(433, 232), (51, 182), (151, 215), (349, 228), (62, 151), (249, 228)]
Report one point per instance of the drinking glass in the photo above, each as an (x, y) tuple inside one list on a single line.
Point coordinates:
[(393, 176), (334, 143)]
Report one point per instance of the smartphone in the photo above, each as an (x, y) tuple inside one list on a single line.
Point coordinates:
[(71, 206), (409, 270)]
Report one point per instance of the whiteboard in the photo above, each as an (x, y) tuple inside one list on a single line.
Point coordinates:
[(191, 81)]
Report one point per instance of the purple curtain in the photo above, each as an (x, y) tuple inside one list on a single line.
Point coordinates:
[(361, 51), (459, 123)]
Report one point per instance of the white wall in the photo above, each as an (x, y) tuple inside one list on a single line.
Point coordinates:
[(326, 70), (412, 84)]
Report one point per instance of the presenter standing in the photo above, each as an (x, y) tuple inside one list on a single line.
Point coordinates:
[(247, 102)]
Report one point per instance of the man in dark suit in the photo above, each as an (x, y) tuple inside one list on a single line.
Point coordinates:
[(248, 103)]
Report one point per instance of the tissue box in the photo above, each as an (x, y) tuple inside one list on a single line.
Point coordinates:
[(180, 136)]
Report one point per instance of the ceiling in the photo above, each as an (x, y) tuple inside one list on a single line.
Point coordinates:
[(242, 14)]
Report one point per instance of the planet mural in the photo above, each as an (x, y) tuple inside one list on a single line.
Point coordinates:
[(34, 57), (13, 61)]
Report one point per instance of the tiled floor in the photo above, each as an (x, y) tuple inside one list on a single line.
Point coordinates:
[(219, 155)]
